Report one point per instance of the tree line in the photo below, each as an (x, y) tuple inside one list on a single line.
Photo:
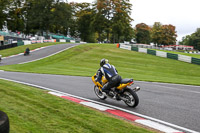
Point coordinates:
[(102, 20), (158, 34), (192, 40)]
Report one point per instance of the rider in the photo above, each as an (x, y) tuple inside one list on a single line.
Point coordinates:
[(110, 74), (27, 50)]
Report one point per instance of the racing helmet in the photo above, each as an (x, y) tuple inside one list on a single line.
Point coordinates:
[(103, 61)]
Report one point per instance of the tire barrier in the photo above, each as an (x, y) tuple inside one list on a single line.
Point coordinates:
[(4, 123)]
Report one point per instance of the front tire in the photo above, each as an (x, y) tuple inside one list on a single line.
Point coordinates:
[(132, 99), (99, 93)]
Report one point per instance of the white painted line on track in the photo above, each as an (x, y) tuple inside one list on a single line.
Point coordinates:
[(55, 92), (157, 126), (48, 55), (96, 106)]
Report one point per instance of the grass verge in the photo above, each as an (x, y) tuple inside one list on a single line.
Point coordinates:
[(32, 110), (21, 49), (83, 60)]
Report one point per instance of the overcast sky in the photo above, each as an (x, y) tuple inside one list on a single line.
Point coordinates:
[(184, 14)]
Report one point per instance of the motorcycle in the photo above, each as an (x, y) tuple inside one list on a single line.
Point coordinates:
[(121, 92), (26, 52)]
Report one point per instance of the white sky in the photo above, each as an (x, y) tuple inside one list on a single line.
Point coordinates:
[(184, 14)]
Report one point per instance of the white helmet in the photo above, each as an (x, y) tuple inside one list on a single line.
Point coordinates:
[(103, 61)]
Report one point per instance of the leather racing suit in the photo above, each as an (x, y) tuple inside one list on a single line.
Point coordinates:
[(110, 74)]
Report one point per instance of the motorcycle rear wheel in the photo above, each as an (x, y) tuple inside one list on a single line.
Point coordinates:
[(132, 98), (99, 94)]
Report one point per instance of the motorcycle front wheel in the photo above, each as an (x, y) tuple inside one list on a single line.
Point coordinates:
[(99, 94), (131, 97)]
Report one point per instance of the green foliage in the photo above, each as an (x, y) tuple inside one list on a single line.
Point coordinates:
[(168, 35), (192, 40), (62, 18), (159, 34), (15, 16), (143, 33), (112, 17), (156, 33), (84, 16), (4, 4)]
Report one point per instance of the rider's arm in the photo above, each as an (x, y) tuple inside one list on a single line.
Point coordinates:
[(99, 75), (115, 68)]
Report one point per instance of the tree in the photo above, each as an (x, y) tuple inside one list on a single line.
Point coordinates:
[(168, 35), (112, 16), (4, 4), (156, 33), (61, 18), (143, 33), (196, 39), (15, 16), (99, 21), (38, 15), (192, 40), (185, 40), (121, 27)]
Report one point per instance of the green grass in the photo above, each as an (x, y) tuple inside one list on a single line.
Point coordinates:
[(21, 49), (31, 110), (83, 60), (174, 52)]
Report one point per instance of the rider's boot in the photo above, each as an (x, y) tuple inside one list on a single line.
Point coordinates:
[(118, 97)]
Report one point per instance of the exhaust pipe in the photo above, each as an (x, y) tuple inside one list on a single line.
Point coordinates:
[(136, 89)]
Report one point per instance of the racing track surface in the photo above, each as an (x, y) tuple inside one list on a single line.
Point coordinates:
[(173, 103), (177, 104), (44, 52)]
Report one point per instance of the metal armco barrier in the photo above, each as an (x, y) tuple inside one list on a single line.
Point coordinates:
[(179, 57)]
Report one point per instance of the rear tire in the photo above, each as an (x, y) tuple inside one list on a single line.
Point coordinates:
[(4, 123), (132, 97), (99, 93)]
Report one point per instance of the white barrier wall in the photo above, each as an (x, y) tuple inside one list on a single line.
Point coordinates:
[(83, 42), (143, 50), (179, 57), (161, 54), (125, 46), (62, 40), (73, 41), (185, 58), (26, 42)]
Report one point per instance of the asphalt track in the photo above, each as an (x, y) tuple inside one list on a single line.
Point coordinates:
[(173, 103), (36, 54)]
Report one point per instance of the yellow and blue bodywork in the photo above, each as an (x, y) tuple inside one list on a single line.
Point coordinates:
[(104, 81)]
